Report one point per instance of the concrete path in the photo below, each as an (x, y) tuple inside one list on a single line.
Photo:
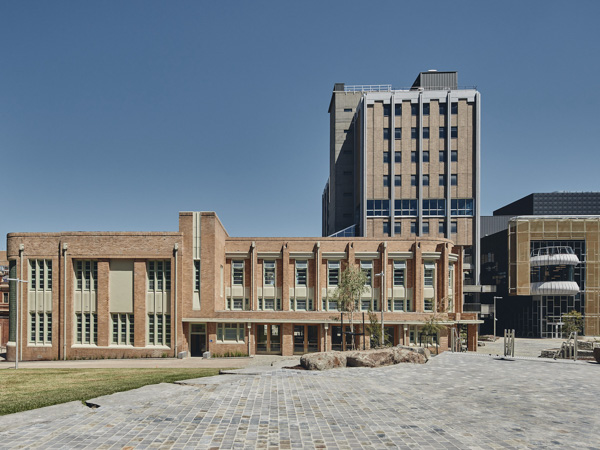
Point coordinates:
[(523, 347), (454, 401)]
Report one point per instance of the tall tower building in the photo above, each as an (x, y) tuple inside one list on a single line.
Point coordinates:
[(405, 163)]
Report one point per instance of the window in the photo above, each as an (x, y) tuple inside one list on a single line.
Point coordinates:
[(40, 328), (425, 227), (454, 108), (451, 288), (453, 179), (122, 329), (425, 109), (398, 157), (86, 328), (426, 156), (442, 132), (413, 180), (269, 304), (301, 273), (425, 180), (425, 132), (397, 180), (269, 273), (386, 228), (414, 133), (377, 208), (386, 180), (159, 275), (398, 133), (240, 304), (40, 316), (40, 274), (238, 273), (386, 110), (442, 156), (454, 156), (443, 109), (414, 109), (197, 275), (405, 207), (399, 272), (159, 329), (5, 297), (434, 207), (397, 227), (428, 274), (442, 227), (230, 332), (367, 269), (386, 133), (442, 180), (454, 132), (453, 227), (347, 109), (398, 109), (333, 273), (413, 157), (461, 207), (413, 227), (386, 157)]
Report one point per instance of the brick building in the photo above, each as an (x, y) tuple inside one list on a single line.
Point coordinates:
[(143, 294)]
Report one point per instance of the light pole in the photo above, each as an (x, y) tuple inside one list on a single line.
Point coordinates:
[(495, 319), (382, 275), (18, 280)]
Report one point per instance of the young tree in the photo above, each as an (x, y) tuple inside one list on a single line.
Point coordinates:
[(573, 321), (374, 329), (347, 294)]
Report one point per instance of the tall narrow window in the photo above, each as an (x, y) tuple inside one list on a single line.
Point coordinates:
[(398, 157), (426, 227), (425, 132), (398, 133), (425, 156), (269, 273), (159, 275), (367, 269), (238, 273), (443, 109), (425, 180), (386, 133), (333, 273), (398, 109), (40, 301), (397, 180), (454, 132), (386, 180), (454, 108), (386, 157), (301, 273), (386, 110), (399, 273), (442, 133), (414, 109), (425, 109), (197, 275)]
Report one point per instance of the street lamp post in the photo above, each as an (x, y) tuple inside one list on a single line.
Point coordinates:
[(495, 318), (18, 280), (382, 275)]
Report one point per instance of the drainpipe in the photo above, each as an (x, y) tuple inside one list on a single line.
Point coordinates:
[(175, 251), (64, 248)]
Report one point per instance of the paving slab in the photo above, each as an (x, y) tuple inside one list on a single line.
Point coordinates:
[(453, 401)]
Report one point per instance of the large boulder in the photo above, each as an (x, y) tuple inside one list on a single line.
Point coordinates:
[(421, 350), (409, 355), (371, 358), (323, 360)]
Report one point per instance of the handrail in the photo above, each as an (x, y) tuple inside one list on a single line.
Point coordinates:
[(553, 250)]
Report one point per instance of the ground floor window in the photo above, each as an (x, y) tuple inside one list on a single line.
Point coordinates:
[(40, 328), (159, 329), (122, 329), (230, 332), (306, 339), (87, 328), (390, 335)]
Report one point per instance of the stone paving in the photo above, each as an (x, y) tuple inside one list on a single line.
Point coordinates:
[(454, 401)]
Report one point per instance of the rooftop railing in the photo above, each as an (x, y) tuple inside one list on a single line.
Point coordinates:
[(389, 88)]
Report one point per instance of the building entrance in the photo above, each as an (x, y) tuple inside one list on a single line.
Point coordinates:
[(306, 339), (268, 339), (197, 339)]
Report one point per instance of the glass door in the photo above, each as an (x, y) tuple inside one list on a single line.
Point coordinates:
[(268, 339)]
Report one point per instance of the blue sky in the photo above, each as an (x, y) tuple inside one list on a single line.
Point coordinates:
[(115, 115)]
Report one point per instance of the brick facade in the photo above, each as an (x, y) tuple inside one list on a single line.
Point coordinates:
[(263, 314)]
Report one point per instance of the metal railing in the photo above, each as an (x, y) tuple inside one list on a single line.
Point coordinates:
[(368, 88)]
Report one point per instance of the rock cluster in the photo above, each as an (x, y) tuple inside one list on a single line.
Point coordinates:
[(365, 358)]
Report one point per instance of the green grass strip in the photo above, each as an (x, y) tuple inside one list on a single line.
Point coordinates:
[(25, 389)]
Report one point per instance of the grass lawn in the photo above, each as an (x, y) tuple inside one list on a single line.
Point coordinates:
[(24, 389)]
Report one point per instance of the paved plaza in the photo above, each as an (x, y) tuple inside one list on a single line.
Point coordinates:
[(453, 401)]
